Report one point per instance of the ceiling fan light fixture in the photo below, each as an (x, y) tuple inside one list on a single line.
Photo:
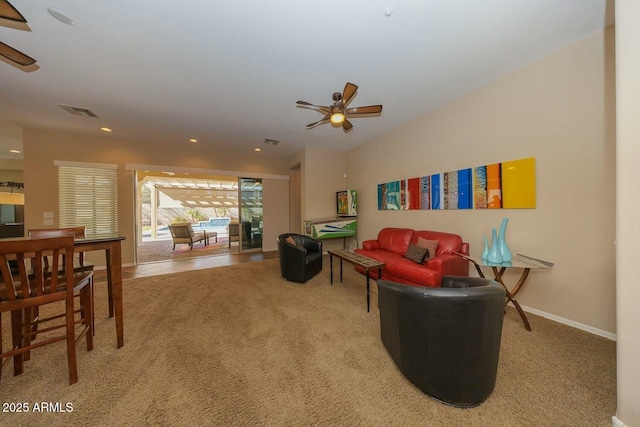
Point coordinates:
[(337, 118), (337, 114)]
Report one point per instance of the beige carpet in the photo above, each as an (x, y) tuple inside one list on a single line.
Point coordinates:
[(240, 346), (162, 250)]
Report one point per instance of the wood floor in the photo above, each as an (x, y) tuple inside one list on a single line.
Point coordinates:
[(175, 266)]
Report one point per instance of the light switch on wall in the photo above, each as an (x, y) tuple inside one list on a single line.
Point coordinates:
[(47, 222), (47, 215)]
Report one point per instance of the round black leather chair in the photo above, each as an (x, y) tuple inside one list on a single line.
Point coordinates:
[(300, 260), (445, 340)]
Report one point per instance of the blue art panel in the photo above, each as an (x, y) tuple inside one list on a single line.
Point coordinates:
[(464, 189), (382, 197), (425, 192), (437, 194)]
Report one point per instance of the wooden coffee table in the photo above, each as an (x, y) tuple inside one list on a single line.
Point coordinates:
[(358, 260)]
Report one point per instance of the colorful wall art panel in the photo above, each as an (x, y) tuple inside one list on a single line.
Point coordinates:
[(425, 192), (389, 196), (494, 186), (457, 189), (413, 193), (382, 197), (465, 189), (437, 195), (450, 190), (480, 187), (519, 184), (509, 185)]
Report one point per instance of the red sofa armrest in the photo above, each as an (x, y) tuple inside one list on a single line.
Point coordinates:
[(464, 249), (370, 245), (450, 265)]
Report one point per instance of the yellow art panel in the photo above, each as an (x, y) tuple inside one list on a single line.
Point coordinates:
[(519, 184)]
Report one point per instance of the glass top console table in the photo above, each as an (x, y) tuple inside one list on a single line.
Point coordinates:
[(520, 261)]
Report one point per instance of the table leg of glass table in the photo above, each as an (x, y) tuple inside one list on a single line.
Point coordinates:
[(516, 288)]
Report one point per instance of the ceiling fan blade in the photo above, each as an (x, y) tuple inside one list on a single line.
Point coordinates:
[(9, 12), (346, 125), (319, 107), (11, 18), (15, 55), (348, 92), (369, 109), (324, 119)]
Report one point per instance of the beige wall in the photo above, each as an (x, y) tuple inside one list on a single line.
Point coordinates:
[(628, 211), (323, 174), (11, 171), (12, 168), (559, 110), (275, 198), (41, 148)]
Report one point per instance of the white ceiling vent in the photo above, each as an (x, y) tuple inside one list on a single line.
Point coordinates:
[(78, 111), (269, 141)]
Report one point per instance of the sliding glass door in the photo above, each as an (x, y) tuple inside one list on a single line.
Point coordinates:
[(250, 204)]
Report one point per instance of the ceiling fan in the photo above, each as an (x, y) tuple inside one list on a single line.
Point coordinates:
[(337, 112), (11, 18)]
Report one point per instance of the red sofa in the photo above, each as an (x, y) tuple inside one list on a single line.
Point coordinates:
[(392, 244)]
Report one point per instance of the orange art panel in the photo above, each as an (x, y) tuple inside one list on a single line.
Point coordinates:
[(494, 186)]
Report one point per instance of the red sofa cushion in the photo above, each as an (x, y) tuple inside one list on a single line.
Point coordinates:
[(395, 240), (447, 243)]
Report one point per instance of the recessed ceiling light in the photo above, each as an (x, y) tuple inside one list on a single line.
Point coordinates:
[(106, 129), (15, 151), (193, 140), (61, 16), (257, 149)]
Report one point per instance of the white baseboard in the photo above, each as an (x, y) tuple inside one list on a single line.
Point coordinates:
[(615, 422), (569, 322)]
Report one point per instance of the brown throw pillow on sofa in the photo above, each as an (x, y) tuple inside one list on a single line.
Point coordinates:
[(431, 246), (416, 253), (290, 240)]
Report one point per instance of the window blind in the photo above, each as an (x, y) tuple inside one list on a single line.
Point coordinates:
[(89, 197)]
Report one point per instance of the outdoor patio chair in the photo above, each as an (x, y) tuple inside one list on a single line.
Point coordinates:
[(182, 233), (234, 232)]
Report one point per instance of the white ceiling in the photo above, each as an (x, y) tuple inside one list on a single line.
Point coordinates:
[(229, 72)]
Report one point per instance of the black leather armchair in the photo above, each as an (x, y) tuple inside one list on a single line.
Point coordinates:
[(301, 261), (445, 340)]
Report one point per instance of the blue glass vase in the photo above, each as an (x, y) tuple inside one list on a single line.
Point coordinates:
[(494, 255), (506, 254), (485, 251)]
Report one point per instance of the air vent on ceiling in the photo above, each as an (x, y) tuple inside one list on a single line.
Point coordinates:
[(269, 141), (78, 111)]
